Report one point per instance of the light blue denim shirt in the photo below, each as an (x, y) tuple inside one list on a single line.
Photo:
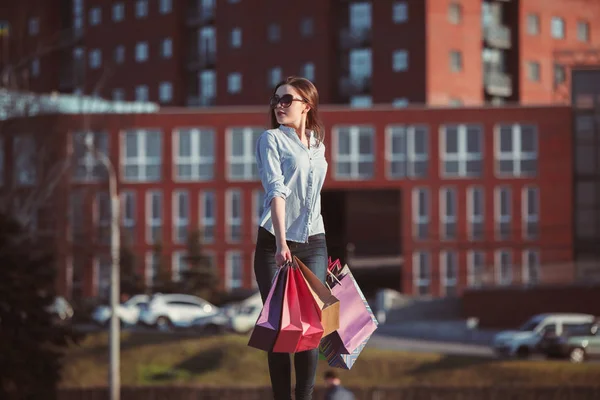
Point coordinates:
[(288, 169)]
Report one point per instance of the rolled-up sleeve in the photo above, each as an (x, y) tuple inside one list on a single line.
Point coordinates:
[(269, 168)]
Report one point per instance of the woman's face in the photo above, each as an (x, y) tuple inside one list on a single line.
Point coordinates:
[(289, 108)]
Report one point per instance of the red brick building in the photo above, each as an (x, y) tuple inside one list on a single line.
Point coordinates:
[(231, 52), (446, 198)]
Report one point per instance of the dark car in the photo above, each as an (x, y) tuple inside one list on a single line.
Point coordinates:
[(554, 346)]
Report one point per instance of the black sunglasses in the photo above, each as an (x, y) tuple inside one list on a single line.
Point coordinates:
[(286, 100)]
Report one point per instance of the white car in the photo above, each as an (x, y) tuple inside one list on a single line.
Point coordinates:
[(128, 311), (166, 311), (246, 313), (524, 342)]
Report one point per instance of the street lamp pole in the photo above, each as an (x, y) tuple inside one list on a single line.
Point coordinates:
[(115, 250)]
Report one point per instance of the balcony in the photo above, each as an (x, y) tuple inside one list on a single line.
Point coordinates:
[(199, 59), (200, 16), (200, 101), (498, 84), (498, 37), (352, 38), (351, 86)]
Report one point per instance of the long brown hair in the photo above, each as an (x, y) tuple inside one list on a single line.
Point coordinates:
[(307, 90)]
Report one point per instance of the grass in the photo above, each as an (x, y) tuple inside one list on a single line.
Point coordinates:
[(154, 358)]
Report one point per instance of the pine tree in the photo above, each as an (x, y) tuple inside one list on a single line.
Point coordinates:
[(30, 342), (131, 281), (200, 278)]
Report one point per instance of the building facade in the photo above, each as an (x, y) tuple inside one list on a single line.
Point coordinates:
[(231, 52), (447, 198)]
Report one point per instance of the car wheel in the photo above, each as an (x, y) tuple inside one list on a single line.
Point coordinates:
[(523, 352), (163, 324), (577, 355)]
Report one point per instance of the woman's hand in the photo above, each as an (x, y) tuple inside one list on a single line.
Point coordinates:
[(283, 254)]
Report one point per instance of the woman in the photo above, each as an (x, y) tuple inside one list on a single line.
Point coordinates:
[(291, 163)]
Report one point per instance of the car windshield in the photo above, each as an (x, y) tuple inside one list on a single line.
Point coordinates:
[(530, 325)]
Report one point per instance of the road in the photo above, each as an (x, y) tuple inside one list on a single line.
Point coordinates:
[(385, 342)]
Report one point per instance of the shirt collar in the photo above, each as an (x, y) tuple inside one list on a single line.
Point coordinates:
[(292, 131)]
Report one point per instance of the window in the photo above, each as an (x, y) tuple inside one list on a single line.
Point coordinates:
[(400, 102), (516, 150), (583, 31), (531, 267), (462, 151), (235, 38), (102, 217), (165, 6), (530, 210), (354, 152), (141, 93), (503, 267), (454, 13), (119, 54), (118, 12), (422, 272), (153, 264), (475, 213), (234, 215), (560, 74), (86, 167), (208, 215), (142, 159), (25, 165), (400, 12), (141, 52), (118, 94), (258, 205), (141, 8), (180, 266), (102, 267), (361, 16), (455, 61), (235, 270), (361, 101), (208, 88), (166, 48), (128, 215), (95, 56), (533, 24), (448, 213), (95, 16), (308, 71), (307, 27), (194, 154), (35, 67), (476, 268), (234, 82), (154, 216), (400, 60), (181, 216), (241, 154), (407, 151), (274, 33), (533, 71), (34, 26), (503, 212), (449, 272), (165, 92), (557, 28), (275, 76), (420, 212)]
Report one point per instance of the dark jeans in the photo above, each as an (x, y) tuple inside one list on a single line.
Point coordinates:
[(314, 255)]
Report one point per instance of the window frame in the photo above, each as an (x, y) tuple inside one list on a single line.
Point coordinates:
[(154, 224), (447, 282), (419, 221), (354, 158), (205, 220), (500, 219), (232, 222), (516, 155), (421, 286), (462, 157), (498, 266), (196, 159), (472, 266), (248, 159), (410, 157), (141, 159), (229, 265), (530, 222), (448, 221), (526, 266), (472, 218), (181, 224)]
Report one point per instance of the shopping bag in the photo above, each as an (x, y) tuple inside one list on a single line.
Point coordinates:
[(267, 325), (328, 305), (328, 352), (310, 314), (291, 327), (357, 321)]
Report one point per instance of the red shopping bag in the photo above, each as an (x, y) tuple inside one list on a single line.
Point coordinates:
[(290, 330), (310, 313)]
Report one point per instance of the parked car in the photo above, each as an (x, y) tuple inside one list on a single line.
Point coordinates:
[(128, 312), (245, 314), (524, 342), (578, 343), (61, 310), (211, 324), (166, 311)]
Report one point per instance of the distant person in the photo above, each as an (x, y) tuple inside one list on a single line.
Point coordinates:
[(335, 390)]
